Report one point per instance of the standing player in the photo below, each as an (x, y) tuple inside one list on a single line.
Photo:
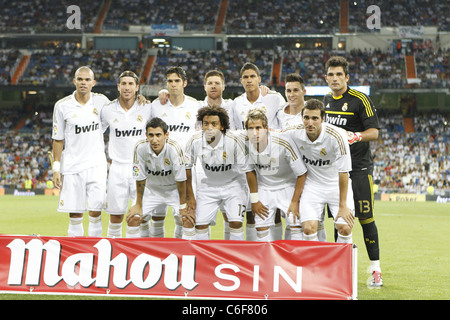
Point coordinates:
[(79, 154), (270, 104), (222, 156), (290, 114), (275, 175), (355, 112), (180, 115), (126, 119), (159, 168), (326, 153)]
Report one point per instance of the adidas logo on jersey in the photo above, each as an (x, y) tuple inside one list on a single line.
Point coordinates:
[(318, 163), (128, 133), (83, 129)]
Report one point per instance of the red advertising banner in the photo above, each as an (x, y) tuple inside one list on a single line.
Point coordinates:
[(177, 268)]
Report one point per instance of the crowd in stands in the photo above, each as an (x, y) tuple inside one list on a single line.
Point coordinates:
[(46, 16), (403, 162), (197, 63), (411, 162), (199, 16), (56, 66)]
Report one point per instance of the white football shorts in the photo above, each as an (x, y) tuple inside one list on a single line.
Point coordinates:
[(232, 199), (273, 200), (121, 188), (313, 200), (157, 199), (83, 191)]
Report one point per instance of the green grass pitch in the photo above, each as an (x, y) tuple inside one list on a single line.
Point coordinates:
[(414, 241)]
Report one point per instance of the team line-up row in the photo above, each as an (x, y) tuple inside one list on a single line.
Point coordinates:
[(161, 159)]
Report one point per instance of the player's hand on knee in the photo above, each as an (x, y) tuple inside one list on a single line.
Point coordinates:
[(346, 214), (260, 209), (134, 214), (294, 209), (187, 217)]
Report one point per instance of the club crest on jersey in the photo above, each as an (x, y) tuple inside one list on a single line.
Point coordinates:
[(55, 128), (188, 115), (345, 107), (139, 118), (323, 152), (166, 162), (263, 108), (224, 155), (95, 111)]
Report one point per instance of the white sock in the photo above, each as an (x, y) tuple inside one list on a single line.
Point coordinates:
[(178, 232), (133, 232), (157, 229), (310, 237), (237, 234), (296, 234), (344, 239), (114, 230), (250, 232), (287, 233), (189, 233), (202, 234), (226, 230), (75, 227), (276, 231), (263, 235), (375, 265), (321, 232), (95, 226), (144, 229)]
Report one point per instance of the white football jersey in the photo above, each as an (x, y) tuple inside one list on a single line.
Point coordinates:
[(286, 120), (325, 157), (228, 105), (126, 128), (270, 103), (181, 120), (279, 165), (222, 164), (80, 128), (164, 169)]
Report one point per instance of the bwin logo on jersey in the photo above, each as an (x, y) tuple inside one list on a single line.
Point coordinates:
[(338, 121), (218, 168), (128, 133), (318, 163), (162, 173), (179, 128), (83, 129)]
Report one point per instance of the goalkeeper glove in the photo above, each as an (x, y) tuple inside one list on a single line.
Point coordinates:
[(354, 137)]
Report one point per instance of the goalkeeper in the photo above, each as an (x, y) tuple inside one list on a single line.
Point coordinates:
[(354, 111)]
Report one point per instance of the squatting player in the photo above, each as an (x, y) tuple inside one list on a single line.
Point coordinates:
[(222, 156), (126, 119), (159, 168), (355, 112), (275, 175), (79, 154), (325, 150)]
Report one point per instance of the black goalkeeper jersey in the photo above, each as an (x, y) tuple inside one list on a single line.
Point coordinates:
[(353, 111)]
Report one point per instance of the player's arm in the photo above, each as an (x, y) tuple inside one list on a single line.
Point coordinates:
[(187, 216), (344, 212), (370, 134), (257, 207), (295, 202), (58, 146), (190, 198), (136, 210)]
